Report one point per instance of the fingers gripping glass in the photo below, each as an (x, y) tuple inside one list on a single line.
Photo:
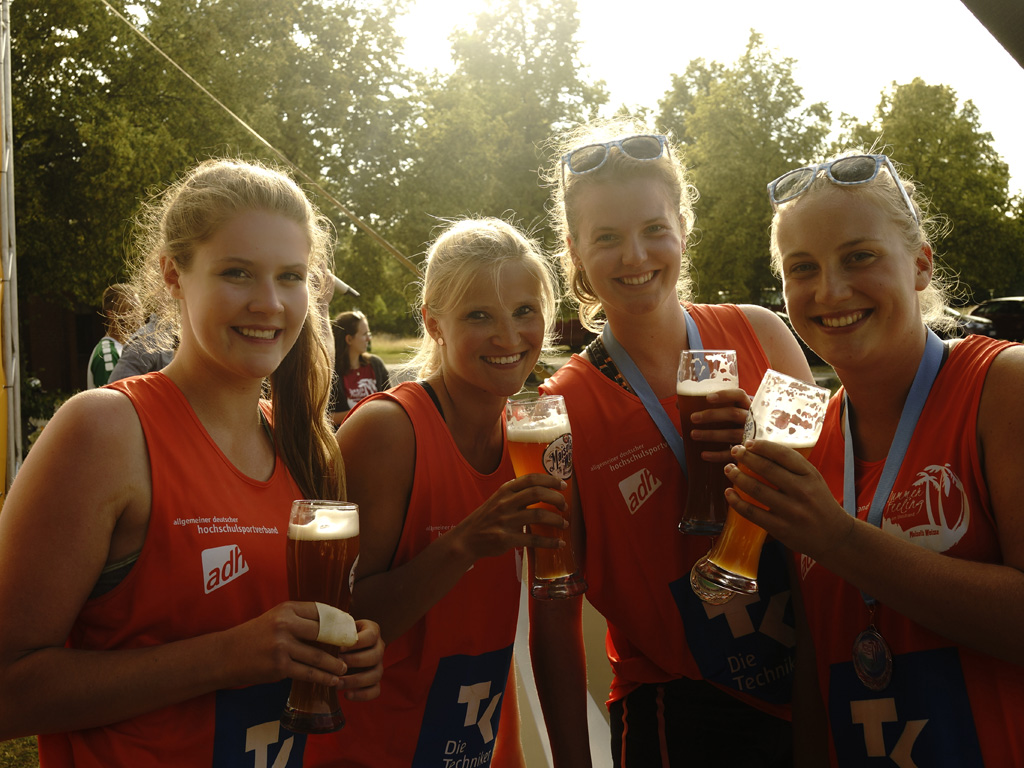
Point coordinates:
[(592, 156), (846, 171)]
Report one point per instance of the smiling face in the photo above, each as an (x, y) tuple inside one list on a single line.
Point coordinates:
[(244, 295), (851, 285), (629, 242), (493, 336), (359, 342)]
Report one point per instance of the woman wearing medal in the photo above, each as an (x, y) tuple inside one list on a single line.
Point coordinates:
[(906, 514), (688, 681)]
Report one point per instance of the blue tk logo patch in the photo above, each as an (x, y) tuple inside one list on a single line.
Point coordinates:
[(748, 643), (923, 718), (463, 709), (249, 732)]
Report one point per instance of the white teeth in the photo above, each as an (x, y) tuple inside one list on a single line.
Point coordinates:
[(841, 322), (508, 360), (637, 279), (257, 334)]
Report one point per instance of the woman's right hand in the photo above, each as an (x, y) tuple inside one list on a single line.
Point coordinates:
[(282, 643), (498, 525)]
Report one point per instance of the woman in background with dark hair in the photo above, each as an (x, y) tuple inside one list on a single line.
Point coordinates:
[(358, 374)]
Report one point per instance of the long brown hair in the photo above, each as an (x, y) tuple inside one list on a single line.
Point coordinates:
[(187, 214)]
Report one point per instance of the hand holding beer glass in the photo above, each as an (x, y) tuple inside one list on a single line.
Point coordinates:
[(702, 372), (540, 442), (323, 546), (786, 411)]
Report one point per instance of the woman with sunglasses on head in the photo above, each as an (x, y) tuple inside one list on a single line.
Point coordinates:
[(907, 516), (441, 513), (688, 680), (357, 373), (143, 582)]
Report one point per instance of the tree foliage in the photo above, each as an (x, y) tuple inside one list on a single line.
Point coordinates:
[(742, 125), (101, 117), (941, 145)]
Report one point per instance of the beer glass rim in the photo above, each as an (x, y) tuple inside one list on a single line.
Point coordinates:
[(531, 397), (326, 503)]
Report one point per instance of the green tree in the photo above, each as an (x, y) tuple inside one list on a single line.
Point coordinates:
[(101, 117), (940, 144), (743, 125), (482, 130)]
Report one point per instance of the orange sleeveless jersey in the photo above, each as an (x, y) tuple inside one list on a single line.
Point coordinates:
[(214, 557), (444, 687), (638, 563), (947, 705)]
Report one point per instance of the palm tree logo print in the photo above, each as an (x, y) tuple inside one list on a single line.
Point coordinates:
[(947, 512)]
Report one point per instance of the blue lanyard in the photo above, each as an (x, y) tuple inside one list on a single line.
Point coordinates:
[(927, 370), (643, 390)]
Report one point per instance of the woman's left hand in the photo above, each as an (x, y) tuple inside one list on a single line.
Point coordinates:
[(801, 512), (727, 406), (365, 662)]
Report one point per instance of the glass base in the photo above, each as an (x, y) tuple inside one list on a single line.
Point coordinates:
[(558, 588), (720, 577), (701, 527), (705, 590), (311, 722)]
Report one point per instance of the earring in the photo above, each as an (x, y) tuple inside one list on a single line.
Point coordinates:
[(440, 341)]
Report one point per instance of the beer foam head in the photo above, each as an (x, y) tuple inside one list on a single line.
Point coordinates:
[(543, 430), (691, 388), (327, 523)]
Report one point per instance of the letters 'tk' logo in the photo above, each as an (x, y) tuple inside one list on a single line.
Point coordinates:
[(472, 696), (870, 714)]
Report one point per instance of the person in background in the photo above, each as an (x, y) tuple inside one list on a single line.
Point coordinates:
[(146, 351), (118, 303), (693, 684), (907, 515), (441, 513), (357, 373), (142, 545)]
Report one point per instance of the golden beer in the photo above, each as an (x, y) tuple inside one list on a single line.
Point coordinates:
[(323, 546), (528, 458), (738, 548), (540, 442), (785, 411)]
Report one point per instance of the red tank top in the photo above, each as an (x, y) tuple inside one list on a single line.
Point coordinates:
[(443, 691), (214, 557), (638, 563), (947, 705)]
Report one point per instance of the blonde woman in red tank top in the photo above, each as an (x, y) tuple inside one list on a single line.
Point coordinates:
[(142, 545)]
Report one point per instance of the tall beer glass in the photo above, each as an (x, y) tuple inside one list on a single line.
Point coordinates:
[(540, 441), (785, 411), (702, 372), (323, 546)]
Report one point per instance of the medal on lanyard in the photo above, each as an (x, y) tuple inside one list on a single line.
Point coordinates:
[(872, 658)]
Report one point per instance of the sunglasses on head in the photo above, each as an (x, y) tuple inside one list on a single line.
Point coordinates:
[(846, 171), (592, 156)]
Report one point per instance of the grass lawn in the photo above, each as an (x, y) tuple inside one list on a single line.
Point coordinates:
[(392, 349), (19, 753)]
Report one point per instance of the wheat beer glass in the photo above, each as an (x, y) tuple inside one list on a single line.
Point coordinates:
[(323, 546), (702, 372), (540, 442), (785, 411)]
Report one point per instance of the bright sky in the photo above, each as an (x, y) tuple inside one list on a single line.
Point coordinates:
[(636, 47)]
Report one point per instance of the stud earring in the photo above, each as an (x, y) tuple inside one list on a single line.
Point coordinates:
[(440, 341)]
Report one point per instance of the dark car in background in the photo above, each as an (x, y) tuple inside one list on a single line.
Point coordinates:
[(966, 325), (1006, 316)]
